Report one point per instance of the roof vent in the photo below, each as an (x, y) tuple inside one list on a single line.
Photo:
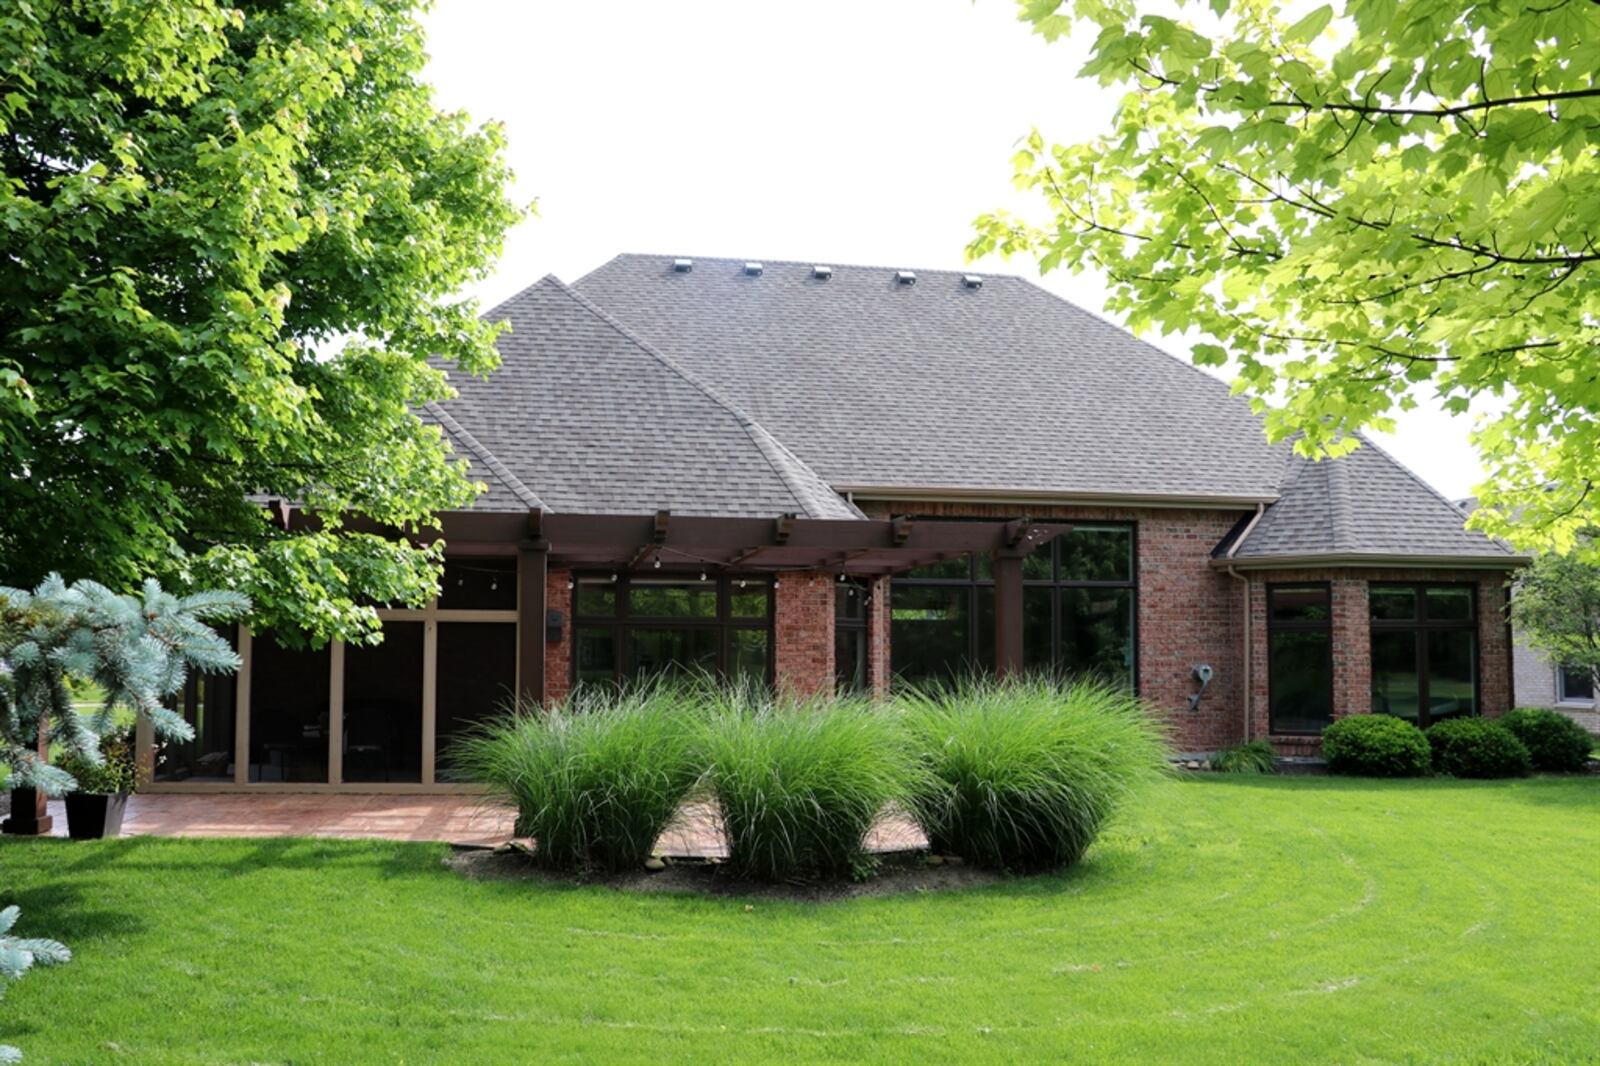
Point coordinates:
[(682, 266), (822, 273), (753, 269), (906, 277), (972, 281)]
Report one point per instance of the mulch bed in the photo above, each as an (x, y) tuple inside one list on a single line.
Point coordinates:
[(898, 873)]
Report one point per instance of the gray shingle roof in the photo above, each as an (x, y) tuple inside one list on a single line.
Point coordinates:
[(597, 421), (506, 492), (1365, 504), (937, 385)]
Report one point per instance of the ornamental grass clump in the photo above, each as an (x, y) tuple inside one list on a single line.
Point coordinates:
[(798, 784), (596, 780), (1022, 774)]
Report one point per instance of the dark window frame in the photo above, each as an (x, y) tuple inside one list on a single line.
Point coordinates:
[(973, 583), (1275, 625), (857, 628), (1422, 625), (623, 620)]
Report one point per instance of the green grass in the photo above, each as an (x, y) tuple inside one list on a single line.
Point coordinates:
[(1220, 920)]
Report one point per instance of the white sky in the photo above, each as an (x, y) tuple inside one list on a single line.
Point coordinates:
[(840, 131)]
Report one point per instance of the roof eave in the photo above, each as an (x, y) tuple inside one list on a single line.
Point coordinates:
[(1373, 559), (979, 494)]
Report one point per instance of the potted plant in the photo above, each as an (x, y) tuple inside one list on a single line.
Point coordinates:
[(95, 808)]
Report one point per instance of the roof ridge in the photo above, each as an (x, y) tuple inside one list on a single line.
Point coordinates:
[(490, 460), (1339, 504), (800, 263), (746, 422)]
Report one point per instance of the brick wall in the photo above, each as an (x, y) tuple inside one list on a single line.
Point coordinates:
[(1352, 641), (1188, 612), (803, 633)]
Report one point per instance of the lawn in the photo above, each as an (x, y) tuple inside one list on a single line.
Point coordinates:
[(1225, 920)]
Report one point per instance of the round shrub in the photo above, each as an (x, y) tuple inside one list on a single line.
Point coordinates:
[(1554, 741), (1375, 745), (1022, 774), (595, 782), (799, 785), (1477, 747)]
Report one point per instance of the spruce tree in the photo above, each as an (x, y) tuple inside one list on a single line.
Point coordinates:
[(139, 650)]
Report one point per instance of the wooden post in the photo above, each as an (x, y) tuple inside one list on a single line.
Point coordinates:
[(1007, 612), (29, 806), (533, 567)]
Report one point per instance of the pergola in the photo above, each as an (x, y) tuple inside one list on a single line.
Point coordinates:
[(866, 548)]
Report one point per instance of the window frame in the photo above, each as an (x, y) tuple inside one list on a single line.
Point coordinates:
[(1561, 689), (972, 583), (1422, 625), (622, 621), (1275, 626)]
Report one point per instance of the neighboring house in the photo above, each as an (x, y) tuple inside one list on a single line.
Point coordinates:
[(826, 478), (1540, 681)]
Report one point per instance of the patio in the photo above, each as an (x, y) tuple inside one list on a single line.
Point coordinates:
[(466, 821)]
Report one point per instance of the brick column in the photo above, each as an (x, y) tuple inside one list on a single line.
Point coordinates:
[(1352, 648), (880, 668), (558, 653), (802, 633), (1494, 647)]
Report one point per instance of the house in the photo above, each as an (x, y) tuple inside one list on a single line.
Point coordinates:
[(1540, 681), (825, 477)]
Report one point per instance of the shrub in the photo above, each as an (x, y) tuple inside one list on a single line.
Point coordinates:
[(1021, 774), (1554, 741), (1252, 758), (595, 781), (1477, 747), (1376, 745), (799, 784), (116, 772)]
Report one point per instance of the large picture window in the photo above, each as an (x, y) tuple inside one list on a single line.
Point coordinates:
[(631, 627), (1299, 658), (1424, 651), (1078, 602)]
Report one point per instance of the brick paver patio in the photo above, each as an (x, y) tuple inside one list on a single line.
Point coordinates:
[(466, 820)]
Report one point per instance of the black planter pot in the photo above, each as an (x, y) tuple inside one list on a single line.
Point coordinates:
[(91, 816)]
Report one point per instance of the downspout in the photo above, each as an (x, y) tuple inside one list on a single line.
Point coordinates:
[(1249, 650)]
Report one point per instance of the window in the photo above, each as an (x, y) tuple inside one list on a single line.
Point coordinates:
[(1299, 658), (1424, 651), (627, 627), (1574, 685), (1078, 606), (289, 715), (850, 636)]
